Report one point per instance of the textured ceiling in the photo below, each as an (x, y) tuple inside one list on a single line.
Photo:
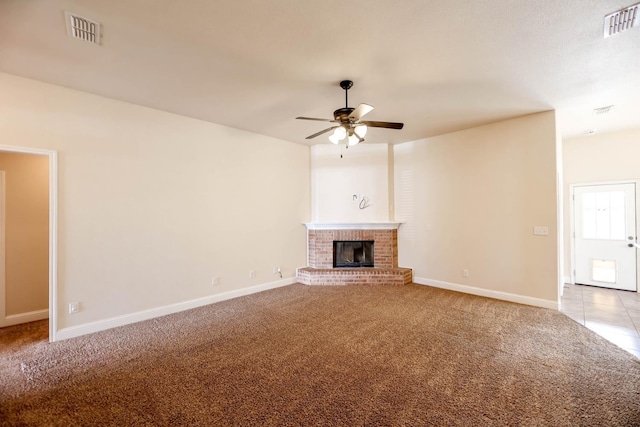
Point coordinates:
[(437, 66)]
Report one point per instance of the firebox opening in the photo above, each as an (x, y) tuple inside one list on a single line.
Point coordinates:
[(352, 253)]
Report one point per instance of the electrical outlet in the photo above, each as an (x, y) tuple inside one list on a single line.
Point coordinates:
[(74, 307), (252, 274), (540, 231), (214, 281), (465, 272)]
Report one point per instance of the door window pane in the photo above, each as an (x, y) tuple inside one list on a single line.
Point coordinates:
[(589, 216), (603, 215), (617, 215)]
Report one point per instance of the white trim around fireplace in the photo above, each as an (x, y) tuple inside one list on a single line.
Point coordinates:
[(352, 225)]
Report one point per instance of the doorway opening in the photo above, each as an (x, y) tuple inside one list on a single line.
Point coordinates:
[(33, 230), (604, 239)]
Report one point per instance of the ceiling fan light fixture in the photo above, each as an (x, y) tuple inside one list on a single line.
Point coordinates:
[(338, 135), (361, 130), (353, 140)]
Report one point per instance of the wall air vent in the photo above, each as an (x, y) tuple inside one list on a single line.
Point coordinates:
[(622, 20), (82, 28)]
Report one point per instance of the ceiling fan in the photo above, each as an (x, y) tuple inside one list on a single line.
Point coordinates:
[(349, 125)]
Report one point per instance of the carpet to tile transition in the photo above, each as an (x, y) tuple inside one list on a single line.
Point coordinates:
[(335, 356)]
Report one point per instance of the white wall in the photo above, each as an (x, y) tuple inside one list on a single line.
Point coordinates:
[(153, 205), (598, 158), (470, 200), (363, 170)]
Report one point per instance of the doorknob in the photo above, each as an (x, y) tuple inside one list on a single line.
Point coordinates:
[(630, 237), (634, 245)]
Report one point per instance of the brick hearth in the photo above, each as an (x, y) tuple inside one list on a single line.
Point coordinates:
[(320, 269)]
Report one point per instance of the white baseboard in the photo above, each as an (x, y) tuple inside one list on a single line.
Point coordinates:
[(16, 319), (101, 325), (505, 296), (566, 279)]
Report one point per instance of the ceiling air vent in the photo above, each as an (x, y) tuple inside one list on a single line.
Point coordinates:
[(82, 28), (621, 21), (602, 110)]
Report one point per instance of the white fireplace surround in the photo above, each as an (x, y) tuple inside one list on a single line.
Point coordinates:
[(352, 225)]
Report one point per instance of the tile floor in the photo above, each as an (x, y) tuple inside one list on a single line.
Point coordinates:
[(613, 314)]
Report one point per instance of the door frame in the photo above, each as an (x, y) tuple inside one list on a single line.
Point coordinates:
[(3, 298), (53, 231), (572, 231)]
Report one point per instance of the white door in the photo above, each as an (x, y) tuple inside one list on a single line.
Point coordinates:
[(605, 235)]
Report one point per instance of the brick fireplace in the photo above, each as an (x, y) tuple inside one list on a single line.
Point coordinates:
[(385, 271)]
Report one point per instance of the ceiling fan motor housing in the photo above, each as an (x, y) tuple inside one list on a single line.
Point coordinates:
[(342, 115)]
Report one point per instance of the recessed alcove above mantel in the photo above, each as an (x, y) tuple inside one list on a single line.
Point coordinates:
[(352, 205)]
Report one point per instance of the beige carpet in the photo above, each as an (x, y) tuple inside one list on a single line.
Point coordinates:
[(333, 356)]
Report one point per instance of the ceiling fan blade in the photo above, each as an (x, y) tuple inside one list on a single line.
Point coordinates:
[(360, 111), (321, 132), (388, 125), (312, 118)]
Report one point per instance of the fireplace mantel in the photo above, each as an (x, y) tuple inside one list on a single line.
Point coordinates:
[(352, 225)]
